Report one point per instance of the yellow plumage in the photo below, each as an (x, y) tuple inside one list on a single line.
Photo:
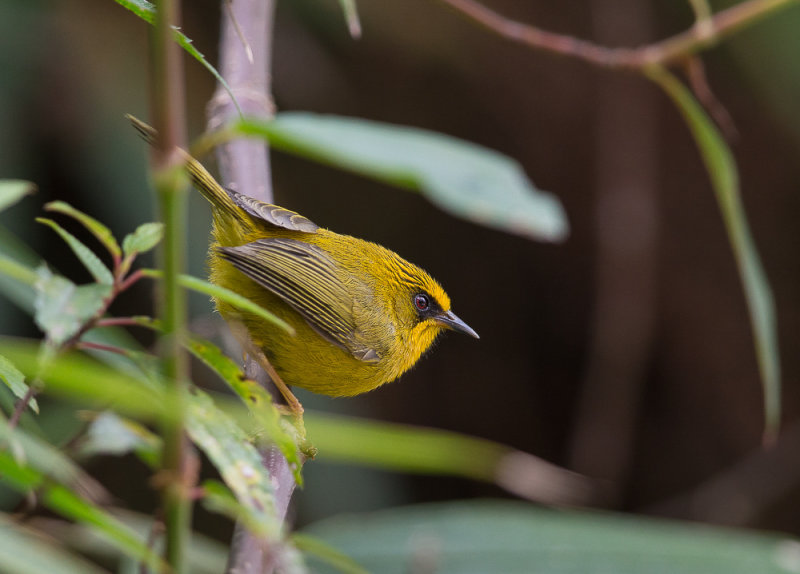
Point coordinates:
[(362, 315)]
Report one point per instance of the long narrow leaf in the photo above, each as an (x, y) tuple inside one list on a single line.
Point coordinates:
[(147, 12), (23, 551), (462, 178), (91, 261), (100, 231), (195, 284), (722, 170), (15, 380), (422, 450), (12, 190), (62, 500)]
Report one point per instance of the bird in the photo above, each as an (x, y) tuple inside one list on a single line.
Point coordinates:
[(361, 314)]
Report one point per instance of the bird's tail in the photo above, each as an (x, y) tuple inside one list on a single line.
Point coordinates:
[(202, 180)]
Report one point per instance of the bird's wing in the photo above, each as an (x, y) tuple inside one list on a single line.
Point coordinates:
[(306, 278), (273, 214)]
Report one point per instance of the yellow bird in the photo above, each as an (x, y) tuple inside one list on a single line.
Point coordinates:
[(362, 314)]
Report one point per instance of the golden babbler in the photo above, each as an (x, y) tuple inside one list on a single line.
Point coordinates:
[(362, 314)]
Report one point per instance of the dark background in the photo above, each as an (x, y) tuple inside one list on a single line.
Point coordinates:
[(625, 352)]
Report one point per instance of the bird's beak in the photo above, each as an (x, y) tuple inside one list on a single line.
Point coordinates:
[(449, 320)]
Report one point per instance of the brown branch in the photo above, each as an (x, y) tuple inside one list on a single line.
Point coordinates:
[(668, 51), (245, 58)]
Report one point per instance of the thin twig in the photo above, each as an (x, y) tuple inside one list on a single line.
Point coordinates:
[(696, 72), (663, 53), (20, 407)]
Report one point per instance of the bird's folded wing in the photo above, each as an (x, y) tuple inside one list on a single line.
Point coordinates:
[(306, 278), (273, 214)]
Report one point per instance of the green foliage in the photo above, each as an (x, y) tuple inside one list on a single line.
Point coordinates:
[(464, 179), (62, 308), (147, 12), (513, 538), (145, 238), (13, 190), (721, 167), (91, 261), (15, 380), (26, 552)]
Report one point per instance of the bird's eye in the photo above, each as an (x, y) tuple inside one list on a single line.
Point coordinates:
[(421, 302)]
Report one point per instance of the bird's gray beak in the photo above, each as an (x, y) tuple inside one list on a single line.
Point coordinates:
[(449, 320)]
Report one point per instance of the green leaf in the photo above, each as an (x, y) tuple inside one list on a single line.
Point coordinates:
[(327, 554), (23, 551), (195, 284), (237, 460), (432, 451), (462, 178), (110, 434), (146, 236), (91, 383), (721, 167), (100, 231), (147, 12), (62, 307), (254, 396), (96, 267), (65, 502), (351, 16), (241, 467), (50, 461), (514, 538), (15, 380), (12, 190)]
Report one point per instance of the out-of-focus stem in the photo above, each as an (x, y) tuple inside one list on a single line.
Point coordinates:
[(168, 119)]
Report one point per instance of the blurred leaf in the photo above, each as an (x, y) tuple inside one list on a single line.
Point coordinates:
[(254, 396), (431, 451), (217, 498), (100, 231), (146, 236), (12, 190), (23, 551), (195, 284), (241, 467), (96, 267), (514, 538), (351, 16), (62, 500), (17, 274), (205, 556), (49, 460), (62, 307), (236, 459), (462, 178), (110, 434), (91, 383), (327, 554), (147, 12), (15, 380), (721, 167)]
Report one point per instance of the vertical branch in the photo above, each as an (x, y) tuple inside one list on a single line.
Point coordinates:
[(245, 63), (625, 232), (168, 117)]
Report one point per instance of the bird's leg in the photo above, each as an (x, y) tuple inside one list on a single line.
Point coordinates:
[(295, 408)]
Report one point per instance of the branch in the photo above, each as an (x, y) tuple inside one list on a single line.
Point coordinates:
[(706, 33), (245, 58)]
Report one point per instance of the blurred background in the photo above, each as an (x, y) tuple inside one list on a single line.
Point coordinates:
[(624, 353)]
